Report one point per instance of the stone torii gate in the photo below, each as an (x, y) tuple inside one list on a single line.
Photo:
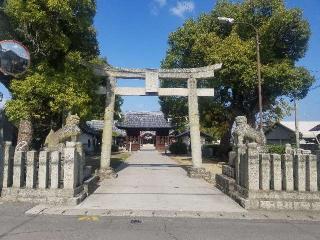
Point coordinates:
[(152, 88)]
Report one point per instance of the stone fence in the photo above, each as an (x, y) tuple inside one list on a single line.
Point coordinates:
[(50, 177), (258, 180)]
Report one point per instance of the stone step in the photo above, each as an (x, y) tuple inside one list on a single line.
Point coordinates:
[(91, 184), (245, 203), (225, 183), (228, 171)]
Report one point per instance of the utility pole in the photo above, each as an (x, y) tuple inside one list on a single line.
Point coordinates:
[(256, 30), (296, 123), (259, 79)]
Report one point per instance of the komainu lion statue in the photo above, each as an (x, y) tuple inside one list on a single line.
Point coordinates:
[(244, 133), (69, 132)]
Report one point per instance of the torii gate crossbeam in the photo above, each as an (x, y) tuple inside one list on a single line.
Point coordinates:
[(152, 81)]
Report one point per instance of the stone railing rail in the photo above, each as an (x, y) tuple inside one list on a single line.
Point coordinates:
[(44, 176)]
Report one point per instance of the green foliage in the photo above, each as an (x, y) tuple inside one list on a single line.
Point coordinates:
[(53, 28), (276, 149), (178, 148), (213, 147), (114, 148), (284, 35), (63, 45)]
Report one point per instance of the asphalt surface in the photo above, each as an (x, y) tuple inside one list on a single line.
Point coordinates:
[(15, 224)]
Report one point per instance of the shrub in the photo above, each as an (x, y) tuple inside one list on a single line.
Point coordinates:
[(178, 148), (277, 149), (210, 150), (114, 148)]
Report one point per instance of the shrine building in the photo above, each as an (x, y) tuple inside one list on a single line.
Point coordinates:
[(145, 128)]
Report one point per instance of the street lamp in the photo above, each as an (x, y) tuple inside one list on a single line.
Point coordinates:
[(233, 21)]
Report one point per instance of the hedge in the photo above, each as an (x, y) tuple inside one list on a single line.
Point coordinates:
[(178, 148), (276, 149), (114, 148)]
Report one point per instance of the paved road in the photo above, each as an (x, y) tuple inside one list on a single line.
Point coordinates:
[(153, 181), (14, 224)]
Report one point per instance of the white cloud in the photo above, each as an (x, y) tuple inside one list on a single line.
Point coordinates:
[(161, 3), (156, 5), (182, 8)]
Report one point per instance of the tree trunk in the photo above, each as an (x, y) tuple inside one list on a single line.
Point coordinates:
[(225, 143), (25, 134), (251, 118)]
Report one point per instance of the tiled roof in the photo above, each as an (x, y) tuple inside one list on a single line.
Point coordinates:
[(97, 125), (316, 128), (144, 120)]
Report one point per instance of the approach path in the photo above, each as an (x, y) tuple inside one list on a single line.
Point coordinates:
[(153, 181)]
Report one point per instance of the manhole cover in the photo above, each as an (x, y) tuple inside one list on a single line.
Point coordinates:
[(135, 221)]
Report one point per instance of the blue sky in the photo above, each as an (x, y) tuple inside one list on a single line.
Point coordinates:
[(135, 34)]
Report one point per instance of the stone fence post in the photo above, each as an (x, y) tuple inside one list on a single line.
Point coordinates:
[(252, 176), (276, 173), (43, 169), (70, 166), (299, 172), (288, 184), (239, 163), (81, 159), (7, 165), (318, 168), (18, 169), (264, 162), (31, 169), (311, 173), (55, 169)]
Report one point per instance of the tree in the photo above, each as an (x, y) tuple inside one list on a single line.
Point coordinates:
[(62, 41), (205, 41)]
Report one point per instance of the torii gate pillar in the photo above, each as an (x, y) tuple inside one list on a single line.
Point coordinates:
[(194, 124), (108, 124), (152, 77)]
